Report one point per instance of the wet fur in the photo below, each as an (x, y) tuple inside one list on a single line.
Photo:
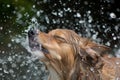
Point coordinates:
[(72, 57)]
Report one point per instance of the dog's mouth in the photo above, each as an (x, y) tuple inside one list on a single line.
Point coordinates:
[(33, 42)]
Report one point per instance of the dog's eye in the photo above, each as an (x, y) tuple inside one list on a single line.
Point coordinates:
[(60, 39)]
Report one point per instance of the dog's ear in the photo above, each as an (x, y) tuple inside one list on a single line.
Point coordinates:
[(92, 49), (96, 50)]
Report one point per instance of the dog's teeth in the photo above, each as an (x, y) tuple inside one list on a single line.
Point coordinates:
[(34, 47), (37, 31), (40, 46), (34, 39), (36, 43)]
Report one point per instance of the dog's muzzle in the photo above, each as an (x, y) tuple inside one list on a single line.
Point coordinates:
[(33, 42), (32, 36)]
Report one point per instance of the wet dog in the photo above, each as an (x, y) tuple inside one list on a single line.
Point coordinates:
[(68, 56)]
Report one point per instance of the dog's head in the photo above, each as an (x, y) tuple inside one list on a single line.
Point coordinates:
[(54, 45), (65, 49), (63, 43)]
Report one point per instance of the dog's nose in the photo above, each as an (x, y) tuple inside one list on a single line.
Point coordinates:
[(33, 32)]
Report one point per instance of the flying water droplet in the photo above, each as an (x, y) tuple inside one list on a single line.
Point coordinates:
[(112, 15)]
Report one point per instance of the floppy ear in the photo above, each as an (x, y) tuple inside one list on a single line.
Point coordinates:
[(96, 50)]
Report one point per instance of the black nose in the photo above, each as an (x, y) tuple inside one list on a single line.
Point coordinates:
[(31, 32)]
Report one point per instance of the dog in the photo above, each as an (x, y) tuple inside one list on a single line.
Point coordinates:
[(69, 56)]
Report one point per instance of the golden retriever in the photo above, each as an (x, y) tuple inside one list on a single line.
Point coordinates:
[(68, 56)]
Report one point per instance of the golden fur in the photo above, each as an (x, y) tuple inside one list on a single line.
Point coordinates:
[(71, 57)]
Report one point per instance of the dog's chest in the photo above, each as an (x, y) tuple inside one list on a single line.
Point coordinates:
[(53, 75)]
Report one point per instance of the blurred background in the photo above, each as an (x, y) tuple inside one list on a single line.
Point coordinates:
[(96, 19)]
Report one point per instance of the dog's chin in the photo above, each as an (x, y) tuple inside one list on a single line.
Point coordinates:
[(37, 54), (36, 50)]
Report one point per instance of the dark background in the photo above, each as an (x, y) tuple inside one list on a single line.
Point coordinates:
[(95, 19)]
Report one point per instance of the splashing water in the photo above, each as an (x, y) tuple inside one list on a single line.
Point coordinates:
[(117, 53), (16, 62), (19, 64), (24, 66)]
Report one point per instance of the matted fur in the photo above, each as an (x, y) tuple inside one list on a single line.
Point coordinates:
[(71, 57)]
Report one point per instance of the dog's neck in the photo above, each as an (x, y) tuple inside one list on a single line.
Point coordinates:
[(53, 74), (77, 70), (58, 71)]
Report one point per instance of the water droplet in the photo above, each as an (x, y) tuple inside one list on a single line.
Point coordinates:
[(0, 69), (92, 69), (60, 13), (38, 13), (113, 34), (17, 40), (34, 19), (112, 15), (5, 71), (1, 28), (85, 2), (14, 65), (9, 58), (115, 46), (3, 52), (47, 19), (33, 6), (11, 71), (54, 13), (114, 38), (24, 77), (108, 44), (1, 61), (8, 5), (89, 12), (9, 44)]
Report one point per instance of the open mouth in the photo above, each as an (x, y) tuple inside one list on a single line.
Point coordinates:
[(34, 44)]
